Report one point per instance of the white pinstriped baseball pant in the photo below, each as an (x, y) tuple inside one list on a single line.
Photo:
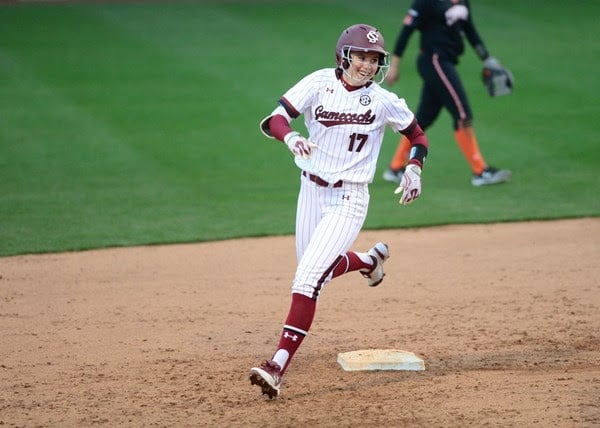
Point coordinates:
[(328, 221)]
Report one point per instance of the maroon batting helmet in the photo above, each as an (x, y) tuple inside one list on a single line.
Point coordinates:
[(359, 37)]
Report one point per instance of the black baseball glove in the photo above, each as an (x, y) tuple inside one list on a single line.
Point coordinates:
[(498, 80)]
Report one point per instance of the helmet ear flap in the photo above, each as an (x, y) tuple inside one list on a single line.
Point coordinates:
[(342, 61), (345, 56)]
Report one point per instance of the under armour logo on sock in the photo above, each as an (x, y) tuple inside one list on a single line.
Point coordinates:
[(287, 335), (346, 197)]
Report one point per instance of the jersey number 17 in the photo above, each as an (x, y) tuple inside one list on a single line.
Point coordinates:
[(357, 140)]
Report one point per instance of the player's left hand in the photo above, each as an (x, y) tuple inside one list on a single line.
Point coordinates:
[(410, 185), (299, 145), (498, 80)]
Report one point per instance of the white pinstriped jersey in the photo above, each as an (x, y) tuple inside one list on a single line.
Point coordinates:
[(347, 126)]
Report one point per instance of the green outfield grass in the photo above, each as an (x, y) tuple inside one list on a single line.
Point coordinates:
[(125, 124)]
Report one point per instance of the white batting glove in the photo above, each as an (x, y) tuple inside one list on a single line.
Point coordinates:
[(410, 185), (299, 145), (492, 63)]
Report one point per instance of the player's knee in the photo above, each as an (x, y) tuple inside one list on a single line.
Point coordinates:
[(309, 287), (463, 123), (306, 290)]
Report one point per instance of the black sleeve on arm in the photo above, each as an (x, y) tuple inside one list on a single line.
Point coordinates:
[(402, 40), (409, 24), (474, 38)]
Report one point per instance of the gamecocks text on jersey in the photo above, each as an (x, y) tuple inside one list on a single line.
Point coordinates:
[(333, 118)]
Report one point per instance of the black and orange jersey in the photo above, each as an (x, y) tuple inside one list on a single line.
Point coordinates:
[(442, 24)]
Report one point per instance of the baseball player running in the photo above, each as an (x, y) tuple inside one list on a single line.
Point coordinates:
[(345, 112), (442, 24)]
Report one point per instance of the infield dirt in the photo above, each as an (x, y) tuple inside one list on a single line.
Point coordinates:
[(506, 317)]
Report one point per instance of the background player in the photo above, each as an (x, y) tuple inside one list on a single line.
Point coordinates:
[(442, 24), (345, 113)]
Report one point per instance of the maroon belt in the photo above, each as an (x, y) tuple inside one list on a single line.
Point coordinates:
[(320, 182)]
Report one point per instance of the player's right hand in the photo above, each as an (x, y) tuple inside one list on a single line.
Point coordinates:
[(392, 76), (410, 185), (393, 72), (299, 145)]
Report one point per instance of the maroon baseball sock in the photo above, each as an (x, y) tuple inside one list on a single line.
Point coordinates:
[(351, 262), (297, 324)]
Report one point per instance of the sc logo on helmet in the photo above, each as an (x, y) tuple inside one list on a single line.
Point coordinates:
[(372, 36)]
